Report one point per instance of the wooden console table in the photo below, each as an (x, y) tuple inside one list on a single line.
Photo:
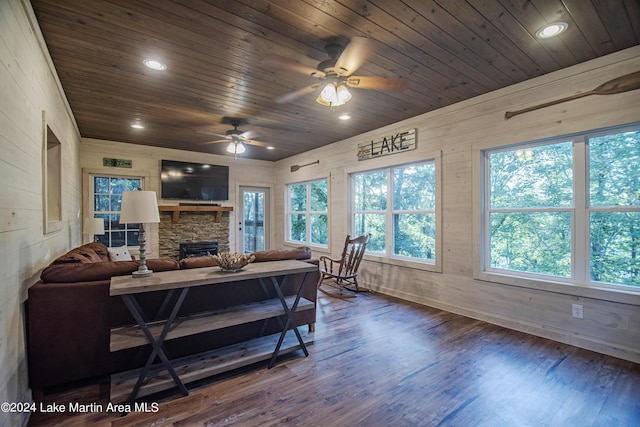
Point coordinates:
[(132, 384)]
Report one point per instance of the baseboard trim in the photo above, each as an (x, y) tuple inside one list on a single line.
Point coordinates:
[(599, 346)]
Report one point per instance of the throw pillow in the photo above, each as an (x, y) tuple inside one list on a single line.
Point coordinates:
[(119, 254)]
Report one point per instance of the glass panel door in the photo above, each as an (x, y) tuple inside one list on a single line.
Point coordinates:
[(253, 230)]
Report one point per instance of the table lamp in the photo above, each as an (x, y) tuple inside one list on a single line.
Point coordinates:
[(93, 227), (140, 207)]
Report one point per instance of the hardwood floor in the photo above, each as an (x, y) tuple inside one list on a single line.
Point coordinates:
[(379, 361)]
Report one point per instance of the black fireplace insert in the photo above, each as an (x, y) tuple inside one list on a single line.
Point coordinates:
[(198, 249)]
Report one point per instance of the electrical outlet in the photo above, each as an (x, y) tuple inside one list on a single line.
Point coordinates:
[(577, 311), (379, 271)]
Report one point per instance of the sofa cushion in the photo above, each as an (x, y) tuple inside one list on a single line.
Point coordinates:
[(81, 255), (119, 254), (301, 252), (91, 252), (99, 248), (85, 272)]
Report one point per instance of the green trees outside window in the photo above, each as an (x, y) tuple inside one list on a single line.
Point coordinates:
[(397, 206), (531, 199), (308, 205), (569, 208), (370, 194), (107, 200), (614, 214), (254, 221)]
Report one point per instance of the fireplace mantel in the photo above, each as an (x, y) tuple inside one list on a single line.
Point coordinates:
[(176, 209)]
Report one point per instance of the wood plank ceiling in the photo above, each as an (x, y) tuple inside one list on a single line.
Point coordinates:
[(215, 50)]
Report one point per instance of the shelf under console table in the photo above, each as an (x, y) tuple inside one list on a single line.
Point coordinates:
[(170, 373), (204, 365)]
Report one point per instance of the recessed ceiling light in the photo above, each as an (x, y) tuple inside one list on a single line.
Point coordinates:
[(155, 65), (551, 30), (344, 116), (271, 147), (137, 125)]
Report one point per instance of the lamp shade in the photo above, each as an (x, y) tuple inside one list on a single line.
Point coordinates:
[(139, 207), (93, 226)]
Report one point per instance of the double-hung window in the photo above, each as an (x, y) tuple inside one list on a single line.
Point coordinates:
[(613, 210), (106, 192), (566, 210), (308, 217), (397, 205)]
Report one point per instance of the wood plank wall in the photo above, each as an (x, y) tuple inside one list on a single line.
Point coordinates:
[(28, 85), (146, 162), (612, 322)]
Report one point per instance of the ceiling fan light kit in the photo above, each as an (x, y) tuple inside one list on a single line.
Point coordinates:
[(337, 72), (236, 139), (236, 148), (332, 96)]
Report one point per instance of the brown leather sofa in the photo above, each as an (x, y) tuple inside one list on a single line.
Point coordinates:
[(70, 313)]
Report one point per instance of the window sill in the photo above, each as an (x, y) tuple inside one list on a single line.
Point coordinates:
[(398, 262), (435, 268), (310, 245), (605, 293)]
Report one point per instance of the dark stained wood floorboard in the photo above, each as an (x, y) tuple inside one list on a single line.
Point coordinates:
[(379, 361)]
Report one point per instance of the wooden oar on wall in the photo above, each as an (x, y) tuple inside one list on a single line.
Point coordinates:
[(619, 85), (297, 167)]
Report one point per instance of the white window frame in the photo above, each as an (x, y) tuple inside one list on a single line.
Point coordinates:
[(308, 212), (579, 280), (91, 174), (433, 265)]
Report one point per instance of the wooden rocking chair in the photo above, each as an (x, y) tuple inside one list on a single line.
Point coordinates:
[(341, 273)]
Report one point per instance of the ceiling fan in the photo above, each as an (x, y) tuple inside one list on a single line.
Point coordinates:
[(236, 138), (336, 73)]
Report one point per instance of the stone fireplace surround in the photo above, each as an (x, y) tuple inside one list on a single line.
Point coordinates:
[(191, 227)]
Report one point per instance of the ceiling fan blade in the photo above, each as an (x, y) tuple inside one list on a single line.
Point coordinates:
[(216, 141), (257, 143), (379, 83), (288, 97), (354, 55), (278, 62)]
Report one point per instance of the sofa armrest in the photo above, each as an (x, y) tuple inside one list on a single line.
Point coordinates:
[(85, 272), (68, 331)]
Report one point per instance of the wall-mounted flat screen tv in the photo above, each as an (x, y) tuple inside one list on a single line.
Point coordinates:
[(194, 181)]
